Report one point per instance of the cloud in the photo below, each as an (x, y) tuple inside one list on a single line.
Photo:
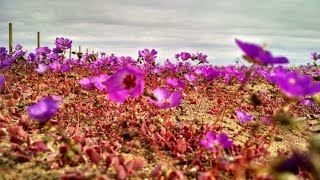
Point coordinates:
[(209, 26)]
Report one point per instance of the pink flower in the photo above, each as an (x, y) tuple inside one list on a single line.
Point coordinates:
[(175, 83), (127, 81), (256, 54), (185, 56), (86, 83), (243, 116), (165, 99), (46, 108), (149, 56), (212, 141), (99, 81), (191, 78)]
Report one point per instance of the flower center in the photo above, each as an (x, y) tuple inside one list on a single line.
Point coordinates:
[(129, 81), (292, 81)]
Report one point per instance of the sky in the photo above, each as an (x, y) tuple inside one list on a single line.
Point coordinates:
[(289, 28)]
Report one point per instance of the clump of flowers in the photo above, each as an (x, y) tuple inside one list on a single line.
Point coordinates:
[(164, 99), (256, 54), (126, 82), (214, 141), (45, 108)]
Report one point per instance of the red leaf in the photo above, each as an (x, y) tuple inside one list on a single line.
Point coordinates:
[(134, 165), (121, 173), (93, 155), (176, 175), (181, 146)]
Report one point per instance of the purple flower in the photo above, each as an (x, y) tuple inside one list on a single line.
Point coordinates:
[(18, 47), (256, 54), (99, 81), (1, 81), (307, 102), (212, 141), (210, 73), (3, 53), (243, 116), (271, 75), (266, 58), (314, 56), (57, 50), (191, 78), (46, 108), (63, 43), (86, 83), (185, 56), (165, 99), (175, 83), (43, 51), (55, 66), (64, 67), (149, 56), (295, 85), (31, 58), (127, 81), (18, 54), (6, 63), (201, 57), (42, 68)]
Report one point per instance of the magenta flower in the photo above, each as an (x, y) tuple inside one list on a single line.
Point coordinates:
[(191, 78), (57, 50), (201, 57), (43, 51), (149, 56), (18, 47), (127, 81), (307, 102), (295, 85), (46, 108), (243, 116), (99, 81), (165, 99), (213, 141), (86, 83), (1, 81), (210, 73), (63, 43), (256, 54), (175, 83), (42, 68), (185, 56)]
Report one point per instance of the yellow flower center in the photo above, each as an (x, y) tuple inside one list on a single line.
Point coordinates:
[(292, 81)]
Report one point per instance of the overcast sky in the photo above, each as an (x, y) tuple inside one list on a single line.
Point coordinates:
[(289, 27)]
